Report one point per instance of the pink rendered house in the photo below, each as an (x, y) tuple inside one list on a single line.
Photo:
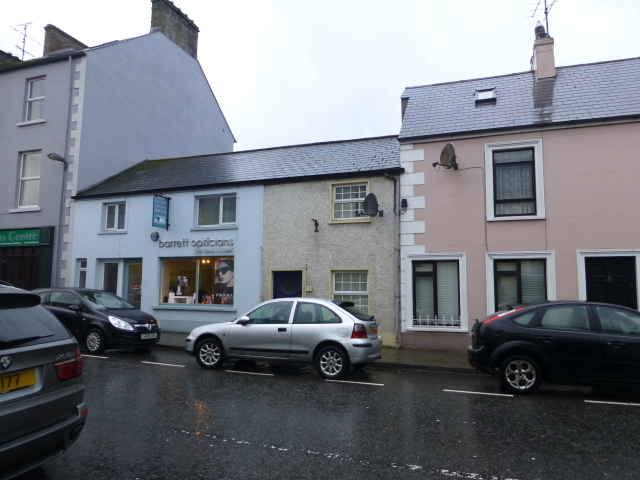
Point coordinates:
[(537, 198)]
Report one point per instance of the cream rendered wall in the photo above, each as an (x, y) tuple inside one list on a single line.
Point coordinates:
[(592, 203), (290, 242)]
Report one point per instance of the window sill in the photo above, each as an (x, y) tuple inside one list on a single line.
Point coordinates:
[(215, 227), (510, 219), (32, 122), (25, 209), (351, 220), (195, 307), (413, 329), (115, 232)]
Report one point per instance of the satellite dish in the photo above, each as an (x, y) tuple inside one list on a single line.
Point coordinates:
[(370, 206), (448, 157)]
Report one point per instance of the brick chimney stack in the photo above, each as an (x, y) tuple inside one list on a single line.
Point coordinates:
[(56, 40), (175, 25), (543, 61)]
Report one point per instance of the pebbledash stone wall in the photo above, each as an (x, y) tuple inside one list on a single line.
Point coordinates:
[(291, 242)]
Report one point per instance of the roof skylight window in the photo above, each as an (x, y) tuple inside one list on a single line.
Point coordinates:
[(485, 94)]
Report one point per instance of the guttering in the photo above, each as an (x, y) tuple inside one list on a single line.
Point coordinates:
[(396, 211), (439, 137)]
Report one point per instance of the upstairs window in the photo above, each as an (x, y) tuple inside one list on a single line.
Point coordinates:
[(35, 100), (29, 179), (515, 189), (115, 216), (216, 211), (514, 182), (347, 201)]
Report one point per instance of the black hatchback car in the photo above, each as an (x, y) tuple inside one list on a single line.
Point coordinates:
[(100, 319), (583, 343)]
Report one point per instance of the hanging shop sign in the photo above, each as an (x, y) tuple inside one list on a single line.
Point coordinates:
[(160, 212)]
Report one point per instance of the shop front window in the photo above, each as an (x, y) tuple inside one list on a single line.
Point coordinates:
[(201, 280)]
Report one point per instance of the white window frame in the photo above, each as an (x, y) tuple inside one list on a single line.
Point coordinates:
[(360, 293), (582, 274), (105, 213), (549, 256), (222, 198), (31, 100), (334, 186), (82, 269), (461, 258), (119, 277), (489, 149), (24, 179)]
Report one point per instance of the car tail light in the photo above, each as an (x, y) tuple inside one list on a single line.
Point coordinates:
[(70, 369), (359, 331), (502, 314)]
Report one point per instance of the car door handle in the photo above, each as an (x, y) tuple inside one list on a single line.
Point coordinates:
[(615, 344), (282, 329), (545, 339)]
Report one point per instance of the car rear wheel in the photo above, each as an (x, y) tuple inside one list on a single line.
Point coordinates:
[(332, 362), (209, 353), (94, 341), (520, 374)]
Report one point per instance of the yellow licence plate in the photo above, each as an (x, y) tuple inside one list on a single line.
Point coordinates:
[(374, 330), (15, 380)]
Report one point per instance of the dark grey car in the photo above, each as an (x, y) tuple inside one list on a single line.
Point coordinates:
[(42, 409)]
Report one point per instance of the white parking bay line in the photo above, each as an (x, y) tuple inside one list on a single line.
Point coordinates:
[(614, 403), (165, 364), (251, 373), (479, 393), (357, 383), (93, 356)]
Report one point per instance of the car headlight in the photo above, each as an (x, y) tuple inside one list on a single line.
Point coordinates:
[(119, 323)]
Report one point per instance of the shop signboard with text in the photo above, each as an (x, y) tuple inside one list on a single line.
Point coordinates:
[(15, 238)]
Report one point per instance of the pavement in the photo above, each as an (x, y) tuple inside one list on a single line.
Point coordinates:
[(401, 358)]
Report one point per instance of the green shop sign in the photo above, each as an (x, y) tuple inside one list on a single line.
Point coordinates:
[(18, 238)]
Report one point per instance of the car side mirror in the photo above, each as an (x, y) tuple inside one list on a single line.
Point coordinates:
[(243, 320), (76, 308)]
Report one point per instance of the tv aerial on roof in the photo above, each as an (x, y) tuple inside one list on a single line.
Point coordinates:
[(447, 158)]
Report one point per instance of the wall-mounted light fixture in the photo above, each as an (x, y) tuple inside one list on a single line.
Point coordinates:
[(315, 223), (404, 204), (56, 157)]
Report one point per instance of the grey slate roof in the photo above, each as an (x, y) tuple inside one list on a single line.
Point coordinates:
[(579, 93), (272, 165)]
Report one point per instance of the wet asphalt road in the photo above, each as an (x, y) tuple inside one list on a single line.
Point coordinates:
[(173, 420)]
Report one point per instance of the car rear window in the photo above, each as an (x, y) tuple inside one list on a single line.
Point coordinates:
[(525, 319), (22, 324), (356, 312)]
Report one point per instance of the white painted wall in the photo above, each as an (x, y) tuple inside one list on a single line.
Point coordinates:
[(90, 243)]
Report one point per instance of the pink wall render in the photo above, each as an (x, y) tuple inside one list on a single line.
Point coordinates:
[(592, 202)]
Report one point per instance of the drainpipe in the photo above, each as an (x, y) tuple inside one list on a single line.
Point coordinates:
[(396, 212)]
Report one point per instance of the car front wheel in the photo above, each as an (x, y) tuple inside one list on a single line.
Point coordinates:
[(94, 341), (332, 362), (209, 353), (520, 374)]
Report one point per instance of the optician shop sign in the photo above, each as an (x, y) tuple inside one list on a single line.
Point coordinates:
[(19, 238)]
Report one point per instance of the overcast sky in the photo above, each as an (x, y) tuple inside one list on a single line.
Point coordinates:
[(288, 72)]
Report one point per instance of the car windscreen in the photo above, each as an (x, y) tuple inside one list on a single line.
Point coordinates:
[(22, 325), (106, 300), (355, 311)]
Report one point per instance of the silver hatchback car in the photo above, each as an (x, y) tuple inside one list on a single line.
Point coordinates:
[(331, 334)]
